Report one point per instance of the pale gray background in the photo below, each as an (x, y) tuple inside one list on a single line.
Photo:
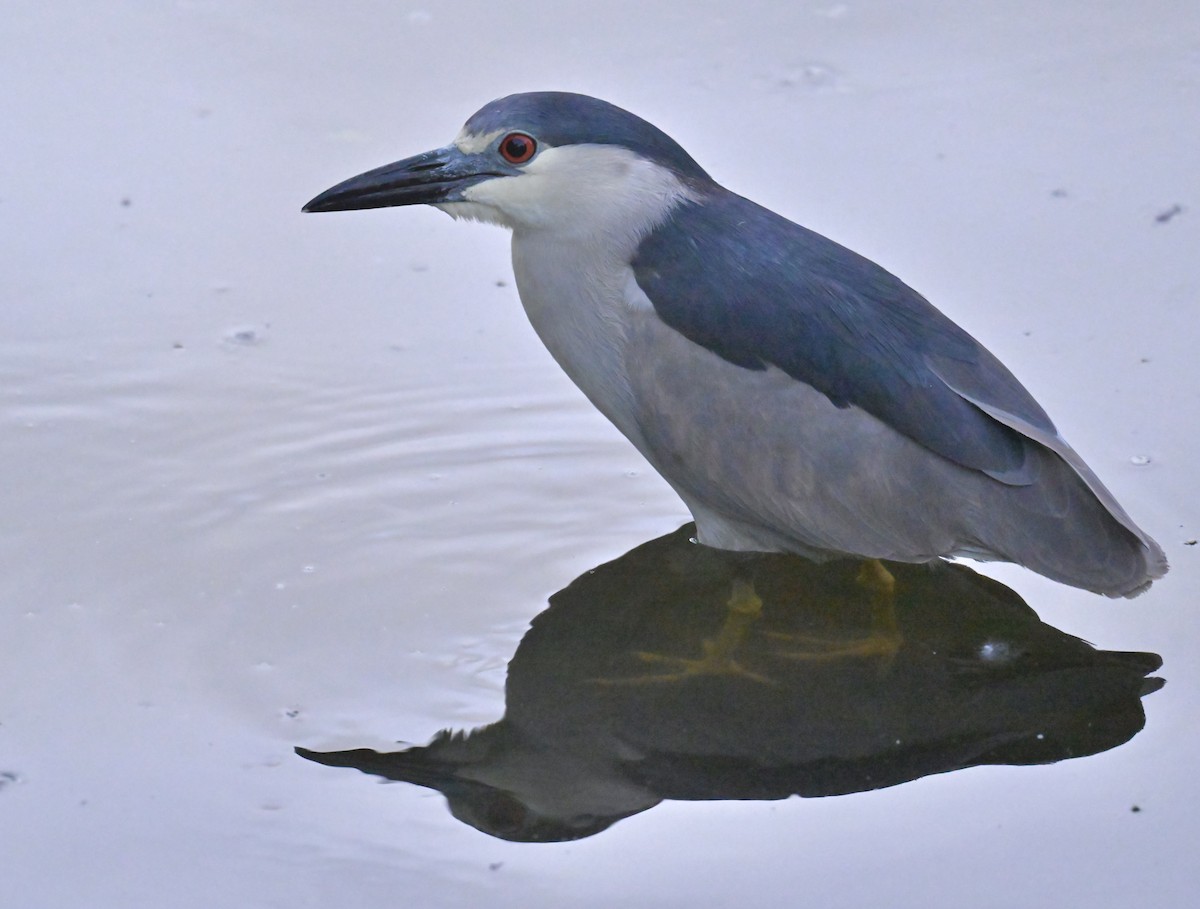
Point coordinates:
[(273, 479)]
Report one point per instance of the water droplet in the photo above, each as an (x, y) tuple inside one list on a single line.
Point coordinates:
[(995, 651), (245, 336), (1140, 460)]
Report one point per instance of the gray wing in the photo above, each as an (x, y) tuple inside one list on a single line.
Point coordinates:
[(964, 384), (758, 290)]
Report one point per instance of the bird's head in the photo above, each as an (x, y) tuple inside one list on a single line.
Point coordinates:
[(538, 161)]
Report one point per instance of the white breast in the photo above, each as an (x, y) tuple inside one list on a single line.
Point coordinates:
[(578, 303)]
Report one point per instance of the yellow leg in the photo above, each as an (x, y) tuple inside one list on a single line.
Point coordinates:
[(717, 653), (883, 639), (875, 577)]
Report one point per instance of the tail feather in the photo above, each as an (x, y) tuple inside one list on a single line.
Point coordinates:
[(1070, 530), (1121, 559)]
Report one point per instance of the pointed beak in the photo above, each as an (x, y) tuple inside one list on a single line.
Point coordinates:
[(431, 177)]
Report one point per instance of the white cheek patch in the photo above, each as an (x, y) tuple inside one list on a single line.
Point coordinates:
[(603, 195), (473, 211), (508, 197), (599, 190)]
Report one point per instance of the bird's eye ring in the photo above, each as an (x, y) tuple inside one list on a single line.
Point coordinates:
[(517, 148)]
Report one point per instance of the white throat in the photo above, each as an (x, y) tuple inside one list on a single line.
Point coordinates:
[(578, 213)]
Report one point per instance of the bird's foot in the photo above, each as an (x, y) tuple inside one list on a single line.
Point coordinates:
[(882, 641), (812, 648), (717, 653)]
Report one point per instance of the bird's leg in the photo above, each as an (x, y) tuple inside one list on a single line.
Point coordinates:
[(874, 576), (882, 640), (717, 656)]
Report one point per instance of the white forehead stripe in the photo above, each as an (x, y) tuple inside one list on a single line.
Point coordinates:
[(474, 143)]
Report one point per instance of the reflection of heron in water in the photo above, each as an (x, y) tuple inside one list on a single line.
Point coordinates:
[(683, 672)]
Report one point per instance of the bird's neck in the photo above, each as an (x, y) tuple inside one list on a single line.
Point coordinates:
[(579, 300)]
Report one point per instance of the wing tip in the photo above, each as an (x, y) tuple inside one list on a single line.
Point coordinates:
[(1154, 567)]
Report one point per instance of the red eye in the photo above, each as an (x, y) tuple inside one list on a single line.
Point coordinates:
[(517, 148)]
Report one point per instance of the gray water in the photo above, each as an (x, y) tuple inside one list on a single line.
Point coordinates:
[(276, 480)]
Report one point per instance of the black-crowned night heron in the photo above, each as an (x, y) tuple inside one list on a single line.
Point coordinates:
[(797, 396)]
